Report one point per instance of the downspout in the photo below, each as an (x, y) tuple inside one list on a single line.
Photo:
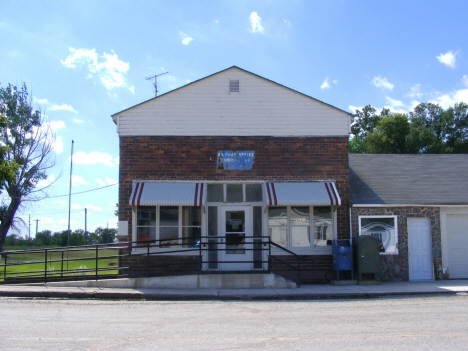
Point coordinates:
[(350, 223)]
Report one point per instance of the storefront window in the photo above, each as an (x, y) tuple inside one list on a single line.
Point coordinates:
[(231, 193), (173, 226), (146, 224), (290, 226), (323, 226)]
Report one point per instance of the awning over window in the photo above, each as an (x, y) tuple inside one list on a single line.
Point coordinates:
[(167, 194), (302, 194)]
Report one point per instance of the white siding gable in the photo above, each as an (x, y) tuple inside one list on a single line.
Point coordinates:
[(207, 108)]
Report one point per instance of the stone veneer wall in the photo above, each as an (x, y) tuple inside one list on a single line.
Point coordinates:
[(277, 159), (396, 267)]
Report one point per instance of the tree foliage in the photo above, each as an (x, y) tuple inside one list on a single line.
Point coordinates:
[(29, 145), (427, 129)]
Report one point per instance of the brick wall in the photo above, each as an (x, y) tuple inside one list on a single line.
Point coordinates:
[(194, 159), (396, 267)]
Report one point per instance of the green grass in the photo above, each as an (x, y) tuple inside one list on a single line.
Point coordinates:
[(79, 262)]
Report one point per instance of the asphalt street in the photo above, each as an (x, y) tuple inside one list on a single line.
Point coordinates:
[(417, 323)]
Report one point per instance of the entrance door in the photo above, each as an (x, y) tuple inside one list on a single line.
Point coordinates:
[(419, 247), (236, 238)]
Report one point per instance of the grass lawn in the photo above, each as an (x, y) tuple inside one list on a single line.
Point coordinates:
[(80, 262)]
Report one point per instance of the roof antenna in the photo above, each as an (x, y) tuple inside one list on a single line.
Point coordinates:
[(156, 82)]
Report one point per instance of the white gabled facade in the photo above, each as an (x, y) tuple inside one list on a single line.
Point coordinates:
[(208, 108)]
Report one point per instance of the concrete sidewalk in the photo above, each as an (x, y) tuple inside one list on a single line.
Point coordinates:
[(305, 292)]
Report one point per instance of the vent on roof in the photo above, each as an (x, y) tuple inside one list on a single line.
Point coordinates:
[(233, 86)]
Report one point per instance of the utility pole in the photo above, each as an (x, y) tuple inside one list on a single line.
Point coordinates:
[(37, 226), (86, 226), (29, 235), (69, 195)]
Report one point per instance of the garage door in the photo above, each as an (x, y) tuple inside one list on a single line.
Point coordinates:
[(457, 234)]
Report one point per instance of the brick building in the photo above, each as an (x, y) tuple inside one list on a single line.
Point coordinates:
[(209, 170)]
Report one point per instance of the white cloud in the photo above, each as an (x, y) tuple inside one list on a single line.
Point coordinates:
[(117, 160), (395, 106), (95, 157), (465, 80), (76, 120), (64, 107), (325, 84), (335, 81), (110, 70), (106, 181), (76, 207), (449, 58), (415, 91), (287, 23), (41, 101), (383, 83), (93, 208), (46, 182), (255, 21), (58, 145), (55, 125), (132, 89), (55, 107), (185, 38), (354, 108), (450, 99), (78, 180), (61, 203)]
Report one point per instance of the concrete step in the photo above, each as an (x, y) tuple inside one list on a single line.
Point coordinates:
[(201, 281)]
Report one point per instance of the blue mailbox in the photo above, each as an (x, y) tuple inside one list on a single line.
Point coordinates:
[(342, 257)]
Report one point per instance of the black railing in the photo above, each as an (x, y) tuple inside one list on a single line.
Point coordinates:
[(138, 259)]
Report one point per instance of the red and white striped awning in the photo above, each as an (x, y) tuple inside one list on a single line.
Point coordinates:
[(167, 194), (302, 194)]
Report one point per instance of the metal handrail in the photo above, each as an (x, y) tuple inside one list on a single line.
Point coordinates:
[(198, 247)]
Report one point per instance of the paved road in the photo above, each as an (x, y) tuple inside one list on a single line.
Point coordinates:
[(432, 323)]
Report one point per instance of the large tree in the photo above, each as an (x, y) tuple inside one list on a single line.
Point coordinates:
[(365, 122), (29, 143), (389, 136)]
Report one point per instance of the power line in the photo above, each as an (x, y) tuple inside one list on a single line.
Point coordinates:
[(80, 192)]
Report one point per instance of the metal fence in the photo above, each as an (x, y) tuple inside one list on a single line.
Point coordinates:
[(145, 258)]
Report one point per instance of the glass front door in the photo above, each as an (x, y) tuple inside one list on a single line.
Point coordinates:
[(236, 238)]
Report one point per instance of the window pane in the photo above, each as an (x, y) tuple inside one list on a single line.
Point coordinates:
[(254, 192), (300, 216), (322, 226), (191, 216), (278, 235), (146, 216), (191, 237), (277, 216), (145, 234), (168, 236), (234, 193), (235, 244), (300, 236), (235, 221), (215, 193), (383, 229), (169, 216)]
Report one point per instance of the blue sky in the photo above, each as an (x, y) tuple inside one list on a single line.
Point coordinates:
[(85, 60)]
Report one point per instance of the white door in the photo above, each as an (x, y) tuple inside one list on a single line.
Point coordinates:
[(419, 249), (236, 238), (457, 242)]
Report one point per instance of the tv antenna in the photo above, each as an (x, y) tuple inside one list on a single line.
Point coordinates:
[(156, 82)]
